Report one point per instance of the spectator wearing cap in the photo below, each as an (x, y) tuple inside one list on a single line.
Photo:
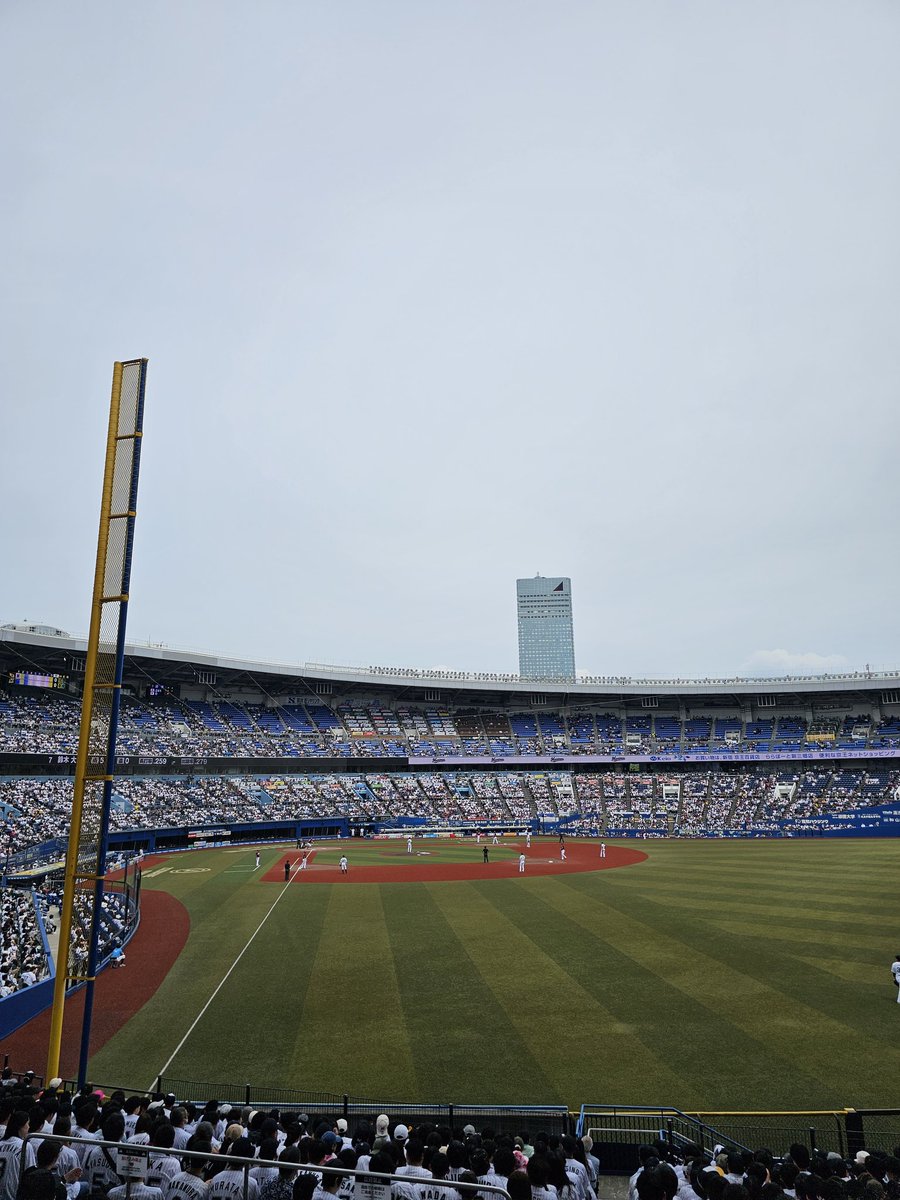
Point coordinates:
[(332, 1143), (341, 1129), (382, 1137)]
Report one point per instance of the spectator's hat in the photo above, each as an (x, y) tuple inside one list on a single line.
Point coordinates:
[(381, 1124), (401, 1133), (469, 1130), (342, 1125), (330, 1139), (55, 1082), (861, 1156)]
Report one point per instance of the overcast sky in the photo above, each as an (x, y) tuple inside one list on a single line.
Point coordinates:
[(436, 295)]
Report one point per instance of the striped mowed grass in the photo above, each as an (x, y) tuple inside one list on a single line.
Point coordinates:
[(714, 975)]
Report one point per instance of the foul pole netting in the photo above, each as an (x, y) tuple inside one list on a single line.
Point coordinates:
[(81, 918)]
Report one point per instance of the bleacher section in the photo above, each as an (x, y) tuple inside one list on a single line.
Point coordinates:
[(226, 727)]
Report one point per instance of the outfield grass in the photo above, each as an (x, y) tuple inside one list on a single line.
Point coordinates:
[(715, 975)]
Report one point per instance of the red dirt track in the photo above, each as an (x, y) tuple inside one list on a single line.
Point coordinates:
[(400, 867), (118, 995)]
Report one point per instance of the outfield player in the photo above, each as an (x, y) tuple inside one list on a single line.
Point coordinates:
[(528, 839), (521, 864), (895, 971), (409, 845), (603, 849), (257, 858), (343, 864)]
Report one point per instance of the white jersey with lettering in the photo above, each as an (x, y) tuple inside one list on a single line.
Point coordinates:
[(138, 1191), (185, 1186), (229, 1185), (161, 1167), (10, 1159)]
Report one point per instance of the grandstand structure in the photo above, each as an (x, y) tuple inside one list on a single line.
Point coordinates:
[(252, 749)]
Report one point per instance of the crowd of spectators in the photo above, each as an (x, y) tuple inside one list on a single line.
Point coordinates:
[(736, 1174), (166, 725), (23, 960), (697, 803), (302, 1157)]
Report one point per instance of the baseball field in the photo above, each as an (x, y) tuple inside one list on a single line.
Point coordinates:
[(709, 974)]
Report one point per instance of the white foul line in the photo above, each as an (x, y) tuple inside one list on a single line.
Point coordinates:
[(224, 979)]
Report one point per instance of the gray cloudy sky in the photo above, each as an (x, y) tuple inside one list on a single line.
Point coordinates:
[(439, 294)]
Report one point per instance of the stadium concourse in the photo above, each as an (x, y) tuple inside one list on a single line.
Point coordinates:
[(197, 1148)]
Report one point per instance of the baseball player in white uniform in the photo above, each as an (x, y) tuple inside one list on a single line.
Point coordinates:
[(521, 864)]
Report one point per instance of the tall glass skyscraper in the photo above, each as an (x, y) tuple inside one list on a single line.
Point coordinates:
[(546, 639)]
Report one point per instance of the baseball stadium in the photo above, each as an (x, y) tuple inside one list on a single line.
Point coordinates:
[(437, 295), (337, 886)]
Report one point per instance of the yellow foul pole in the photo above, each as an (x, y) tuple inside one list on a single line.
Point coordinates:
[(72, 874)]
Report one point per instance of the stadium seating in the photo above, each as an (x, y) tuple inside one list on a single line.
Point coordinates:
[(229, 728)]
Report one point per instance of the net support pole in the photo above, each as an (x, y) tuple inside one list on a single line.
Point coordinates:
[(85, 857)]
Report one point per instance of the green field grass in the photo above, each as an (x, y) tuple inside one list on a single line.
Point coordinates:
[(715, 975)]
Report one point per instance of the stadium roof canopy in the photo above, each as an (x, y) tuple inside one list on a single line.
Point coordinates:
[(44, 648)]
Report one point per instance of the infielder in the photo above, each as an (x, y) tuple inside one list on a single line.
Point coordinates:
[(521, 864)]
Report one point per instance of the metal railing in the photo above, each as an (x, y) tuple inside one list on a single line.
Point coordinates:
[(820, 1129)]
